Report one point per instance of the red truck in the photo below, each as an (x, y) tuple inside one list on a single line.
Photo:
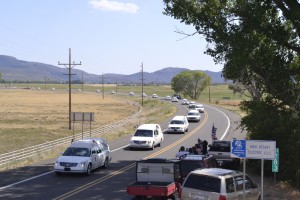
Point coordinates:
[(156, 179)]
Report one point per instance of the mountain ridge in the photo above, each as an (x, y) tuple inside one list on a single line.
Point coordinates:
[(13, 69)]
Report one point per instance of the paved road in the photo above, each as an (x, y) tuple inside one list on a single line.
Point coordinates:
[(39, 182)]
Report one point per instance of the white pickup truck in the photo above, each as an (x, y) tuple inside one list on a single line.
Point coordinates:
[(222, 152)]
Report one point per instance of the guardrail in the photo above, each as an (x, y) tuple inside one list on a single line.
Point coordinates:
[(21, 154)]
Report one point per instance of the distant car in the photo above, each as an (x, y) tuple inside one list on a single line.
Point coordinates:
[(113, 92), (192, 102), (131, 94), (193, 115), (218, 183), (174, 99), (83, 156), (177, 96), (199, 107), (185, 102), (179, 124), (154, 96), (192, 105), (144, 95), (147, 136), (168, 98)]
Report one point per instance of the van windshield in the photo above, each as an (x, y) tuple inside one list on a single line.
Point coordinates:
[(77, 151), (144, 133)]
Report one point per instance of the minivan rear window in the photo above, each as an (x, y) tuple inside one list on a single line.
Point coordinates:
[(202, 182)]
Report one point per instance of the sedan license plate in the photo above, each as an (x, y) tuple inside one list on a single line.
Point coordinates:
[(67, 169)]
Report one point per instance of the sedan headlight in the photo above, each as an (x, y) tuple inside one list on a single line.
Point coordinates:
[(82, 164)]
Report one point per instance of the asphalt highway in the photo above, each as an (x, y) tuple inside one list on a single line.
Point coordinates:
[(38, 181)]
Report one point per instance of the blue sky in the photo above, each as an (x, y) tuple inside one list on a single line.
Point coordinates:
[(114, 36)]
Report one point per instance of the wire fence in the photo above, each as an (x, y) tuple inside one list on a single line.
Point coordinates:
[(21, 154)]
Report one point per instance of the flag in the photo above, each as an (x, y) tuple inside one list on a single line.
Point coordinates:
[(213, 133)]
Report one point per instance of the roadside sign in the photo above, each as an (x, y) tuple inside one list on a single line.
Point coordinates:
[(238, 148), (253, 149), (260, 149), (275, 162)]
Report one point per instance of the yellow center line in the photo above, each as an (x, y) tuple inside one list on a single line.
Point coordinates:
[(122, 170)]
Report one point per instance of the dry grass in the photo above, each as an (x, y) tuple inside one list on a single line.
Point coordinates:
[(32, 117), (26, 109)]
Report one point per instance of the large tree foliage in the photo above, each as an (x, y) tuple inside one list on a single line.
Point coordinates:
[(259, 44), (190, 83)]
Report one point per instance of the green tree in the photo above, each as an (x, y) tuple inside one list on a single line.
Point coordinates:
[(258, 43), (190, 83)]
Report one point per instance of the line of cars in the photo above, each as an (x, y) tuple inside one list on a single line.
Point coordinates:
[(148, 136)]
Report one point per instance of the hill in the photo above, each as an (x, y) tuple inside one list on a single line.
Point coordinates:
[(13, 69)]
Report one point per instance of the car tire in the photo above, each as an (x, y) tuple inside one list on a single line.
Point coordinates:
[(105, 164), (89, 169), (153, 146)]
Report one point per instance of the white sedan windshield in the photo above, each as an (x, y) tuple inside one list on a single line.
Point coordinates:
[(144, 133), (76, 151)]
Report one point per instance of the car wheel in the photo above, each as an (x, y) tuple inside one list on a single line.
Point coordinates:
[(159, 144), (152, 146), (89, 170), (187, 130), (105, 164)]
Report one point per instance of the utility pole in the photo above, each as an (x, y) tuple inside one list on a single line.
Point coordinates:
[(142, 84), (82, 81), (102, 86), (69, 66), (45, 83)]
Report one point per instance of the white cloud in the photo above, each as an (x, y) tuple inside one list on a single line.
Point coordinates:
[(115, 6)]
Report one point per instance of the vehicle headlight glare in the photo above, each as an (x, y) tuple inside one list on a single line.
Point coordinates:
[(82, 164)]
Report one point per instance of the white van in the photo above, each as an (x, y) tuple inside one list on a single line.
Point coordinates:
[(147, 136), (179, 124), (83, 156)]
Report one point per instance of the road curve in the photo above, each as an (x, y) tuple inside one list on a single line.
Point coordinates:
[(111, 183)]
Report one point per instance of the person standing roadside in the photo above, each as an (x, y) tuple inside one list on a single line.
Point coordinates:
[(204, 147)]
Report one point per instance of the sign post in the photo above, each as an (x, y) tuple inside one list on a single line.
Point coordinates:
[(82, 117)]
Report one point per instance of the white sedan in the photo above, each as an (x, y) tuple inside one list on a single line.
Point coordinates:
[(174, 99), (83, 156), (168, 98), (193, 115)]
